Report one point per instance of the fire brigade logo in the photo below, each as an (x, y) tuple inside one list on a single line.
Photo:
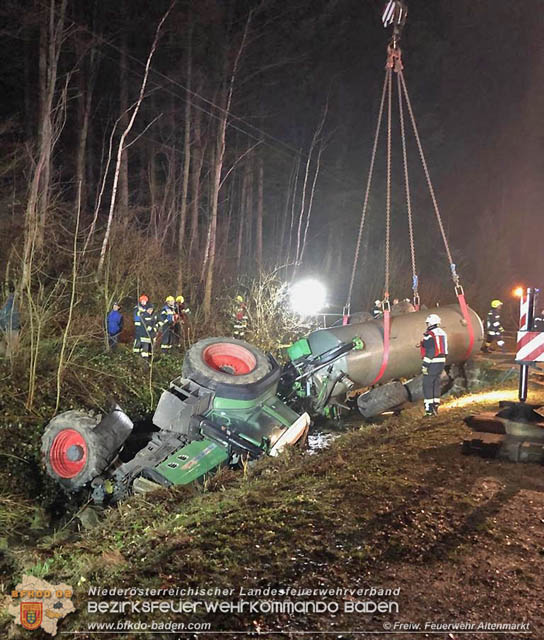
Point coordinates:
[(36, 603), (31, 614)]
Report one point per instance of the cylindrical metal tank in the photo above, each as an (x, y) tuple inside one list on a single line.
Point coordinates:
[(362, 366)]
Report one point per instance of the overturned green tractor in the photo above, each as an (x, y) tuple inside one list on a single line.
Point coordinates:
[(222, 410)]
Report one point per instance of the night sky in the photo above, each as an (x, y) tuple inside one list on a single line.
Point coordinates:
[(475, 73), (474, 70)]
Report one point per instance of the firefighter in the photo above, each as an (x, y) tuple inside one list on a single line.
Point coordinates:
[(377, 309), (114, 326), (182, 309), (149, 331), (166, 324), (239, 318), (139, 331), (494, 328), (434, 349), (181, 319)]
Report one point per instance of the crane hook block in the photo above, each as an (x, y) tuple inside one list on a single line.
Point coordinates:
[(394, 13), (394, 58)]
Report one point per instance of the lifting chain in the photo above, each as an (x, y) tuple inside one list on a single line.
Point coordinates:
[(415, 279), (454, 275), (347, 307)]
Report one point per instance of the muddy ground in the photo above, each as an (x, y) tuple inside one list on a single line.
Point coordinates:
[(390, 506)]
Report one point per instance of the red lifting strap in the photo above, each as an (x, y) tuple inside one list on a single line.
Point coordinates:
[(466, 316), (386, 332)]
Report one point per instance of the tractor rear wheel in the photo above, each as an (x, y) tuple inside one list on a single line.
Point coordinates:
[(233, 368)]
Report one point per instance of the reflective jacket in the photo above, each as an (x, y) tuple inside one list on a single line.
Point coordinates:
[(493, 323), (434, 346), (149, 327), (167, 316), (139, 311)]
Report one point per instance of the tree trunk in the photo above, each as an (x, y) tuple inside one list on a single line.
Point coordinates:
[(123, 121), (249, 215), (186, 166), (123, 139), (293, 206), (217, 169), (260, 206), (241, 220), (49, 127), (288, 195), (86, 88), (196, 171)]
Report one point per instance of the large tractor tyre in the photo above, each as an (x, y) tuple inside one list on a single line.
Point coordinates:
[(77, 446), (232, 368)]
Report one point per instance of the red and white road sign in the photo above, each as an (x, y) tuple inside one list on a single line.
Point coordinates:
[(524, 312), (530, 346)]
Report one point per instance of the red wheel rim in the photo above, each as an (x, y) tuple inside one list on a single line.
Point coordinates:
[(68, 453), (232, 359)]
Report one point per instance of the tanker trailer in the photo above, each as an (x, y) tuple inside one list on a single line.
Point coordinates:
[(325, 370)]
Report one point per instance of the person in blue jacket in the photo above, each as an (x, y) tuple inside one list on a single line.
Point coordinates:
[(114, 326), (10, 324)]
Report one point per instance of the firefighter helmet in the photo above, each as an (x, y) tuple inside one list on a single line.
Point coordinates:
[(170, 299), (496, 303), (143, 299), (239, 299), (433, 318), (180, 299)]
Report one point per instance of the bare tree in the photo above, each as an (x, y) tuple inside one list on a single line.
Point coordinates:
[(303, 211), (186, 161), (217, 169), (124, 137), (51, 122)]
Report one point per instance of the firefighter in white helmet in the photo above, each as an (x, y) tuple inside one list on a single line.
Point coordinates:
[(434, 349), (377, 309)]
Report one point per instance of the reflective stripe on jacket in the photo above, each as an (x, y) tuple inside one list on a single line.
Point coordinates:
[(434, 346)]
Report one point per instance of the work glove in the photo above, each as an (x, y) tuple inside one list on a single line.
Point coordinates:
[(424, 370)]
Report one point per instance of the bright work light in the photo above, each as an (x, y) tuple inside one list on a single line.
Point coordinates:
[(307, 297)]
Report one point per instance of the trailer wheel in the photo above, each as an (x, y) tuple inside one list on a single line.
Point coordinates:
[(233, 368)]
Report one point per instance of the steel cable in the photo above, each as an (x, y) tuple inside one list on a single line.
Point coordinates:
[(407, 190), (367, 192), (454, 275)]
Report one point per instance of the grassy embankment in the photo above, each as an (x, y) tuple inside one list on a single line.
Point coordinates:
[(393, 505), (92, 381)]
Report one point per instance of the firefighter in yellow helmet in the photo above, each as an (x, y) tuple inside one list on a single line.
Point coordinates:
[(166, 323), (239, 318), (493, 326), (181, 320)]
